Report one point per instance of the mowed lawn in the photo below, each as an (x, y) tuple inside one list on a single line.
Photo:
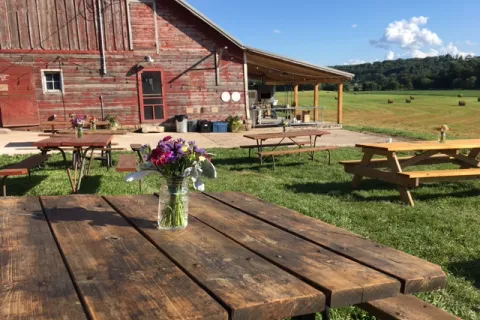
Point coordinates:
[(443, 228), (428, 110)]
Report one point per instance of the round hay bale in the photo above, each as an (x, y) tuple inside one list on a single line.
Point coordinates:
[(460, 95), (462, 103), (412, 98), (408, 100), (390, 101)]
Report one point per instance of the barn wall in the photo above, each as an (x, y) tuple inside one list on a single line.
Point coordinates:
[(186, 55)]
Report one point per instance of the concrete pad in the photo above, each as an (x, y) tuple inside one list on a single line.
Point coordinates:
[(20, 142)]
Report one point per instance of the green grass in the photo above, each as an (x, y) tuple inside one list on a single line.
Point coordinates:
[(428, 111), (443, 227)]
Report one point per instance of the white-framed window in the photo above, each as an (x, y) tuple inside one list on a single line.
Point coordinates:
[(52, 81)]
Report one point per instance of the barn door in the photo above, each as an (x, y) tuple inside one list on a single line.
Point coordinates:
[(18, 102), (151, 96)]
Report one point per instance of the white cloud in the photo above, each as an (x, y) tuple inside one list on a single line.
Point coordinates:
[(407, 34), (415, 41), (354, 61), (470, 43), (276, 31), (354, 25), (454, 51), (390, 55)]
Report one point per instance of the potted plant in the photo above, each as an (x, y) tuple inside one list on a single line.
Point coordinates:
[(77, 123), (114, 124), (235, 123)]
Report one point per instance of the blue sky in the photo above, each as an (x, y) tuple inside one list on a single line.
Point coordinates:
[(339, 32)]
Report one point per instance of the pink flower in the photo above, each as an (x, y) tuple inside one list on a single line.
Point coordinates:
[(167, 138)]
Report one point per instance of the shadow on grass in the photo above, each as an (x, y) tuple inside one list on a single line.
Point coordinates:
[(21, 185), (470, 270), (90, 185), (345, 188), (253, 163)]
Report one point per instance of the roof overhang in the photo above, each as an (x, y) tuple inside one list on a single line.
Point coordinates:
[(276, 69)]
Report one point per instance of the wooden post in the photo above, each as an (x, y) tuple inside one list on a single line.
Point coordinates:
[(295, 98), (340, 104), (315, 102)]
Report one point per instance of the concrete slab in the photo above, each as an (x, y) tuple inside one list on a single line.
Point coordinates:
[(20, 142)]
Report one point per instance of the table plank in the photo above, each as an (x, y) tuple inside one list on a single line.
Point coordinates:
[(415, 274), (249, 286), (119, 273), (344, 281), (34, 282), (85, 141), (423, 145), (288, 134)]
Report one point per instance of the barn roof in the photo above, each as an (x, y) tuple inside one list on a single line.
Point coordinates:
[(284, 69)]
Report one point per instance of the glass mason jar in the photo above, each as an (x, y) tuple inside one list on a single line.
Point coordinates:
[(173, 204), (79, 132), (443, 137)]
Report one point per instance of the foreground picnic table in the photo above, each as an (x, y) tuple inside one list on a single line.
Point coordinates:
[(81, 148), (391, 167), (92, 257)]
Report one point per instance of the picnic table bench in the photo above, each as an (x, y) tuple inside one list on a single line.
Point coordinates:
[(390, 168), (291, 137), (239, 258), (21, 168), (128, 163)]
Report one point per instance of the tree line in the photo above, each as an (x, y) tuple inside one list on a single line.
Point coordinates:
[(442, 72)]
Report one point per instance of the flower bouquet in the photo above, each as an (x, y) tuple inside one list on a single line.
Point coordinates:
[(77, 124), (93, 123), (177, 161), (443, 133)]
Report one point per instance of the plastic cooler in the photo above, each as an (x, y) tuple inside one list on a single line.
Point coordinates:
[(219, 127)]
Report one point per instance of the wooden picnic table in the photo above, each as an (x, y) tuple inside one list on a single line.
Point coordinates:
[(391, 168), (292, 138), (81, 148), (92, 257)]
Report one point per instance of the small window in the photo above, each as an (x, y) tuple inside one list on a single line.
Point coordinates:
[(52, 81)]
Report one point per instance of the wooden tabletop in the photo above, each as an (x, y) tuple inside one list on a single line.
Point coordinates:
[(91, 257), (423, 145), (288, 134), (85, 141)]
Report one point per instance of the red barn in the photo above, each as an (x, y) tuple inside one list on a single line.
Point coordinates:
[(143, 61)]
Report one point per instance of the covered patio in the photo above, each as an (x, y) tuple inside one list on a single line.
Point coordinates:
[(273, 69)]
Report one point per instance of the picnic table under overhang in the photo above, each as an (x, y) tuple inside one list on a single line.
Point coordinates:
[(391, 168), (239, 258)]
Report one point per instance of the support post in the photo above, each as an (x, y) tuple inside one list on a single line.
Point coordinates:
[(340, 104), (295, 99), (245, 80), (315, 102)]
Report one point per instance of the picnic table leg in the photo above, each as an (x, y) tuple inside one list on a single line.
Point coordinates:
[(365, 161), (82, 166), (4, 185), (473, 155), (90, 163), (405, 194)]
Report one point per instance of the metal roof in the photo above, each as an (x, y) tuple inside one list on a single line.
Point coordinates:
[(202, 17)]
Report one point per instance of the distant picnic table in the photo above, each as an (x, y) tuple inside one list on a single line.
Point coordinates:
[(92, 257), (292, 139), (391, 168), (81, 148)]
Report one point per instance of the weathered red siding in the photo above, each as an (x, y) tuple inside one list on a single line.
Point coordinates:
[(63, 34)]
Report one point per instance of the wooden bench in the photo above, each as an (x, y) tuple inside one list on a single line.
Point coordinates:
[(383, 162), (311, 151), (21, 168), (137, 147), (272, 145), (128, 163), (418, 177), (405, 307)]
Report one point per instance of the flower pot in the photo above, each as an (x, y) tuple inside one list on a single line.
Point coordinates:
[(173, 204)]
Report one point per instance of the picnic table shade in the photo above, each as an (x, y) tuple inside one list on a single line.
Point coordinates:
[(240, 258)]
